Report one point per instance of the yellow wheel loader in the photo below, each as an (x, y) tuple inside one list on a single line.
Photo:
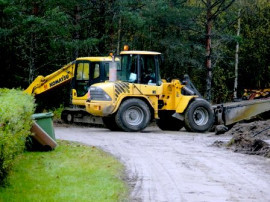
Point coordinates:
[(139, 95), (82, 73)]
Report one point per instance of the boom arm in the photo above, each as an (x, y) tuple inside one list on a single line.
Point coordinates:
[(42, 84)]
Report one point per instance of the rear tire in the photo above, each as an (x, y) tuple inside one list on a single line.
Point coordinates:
[(133, 115), (109, 122), (167, 122), (199, 116)]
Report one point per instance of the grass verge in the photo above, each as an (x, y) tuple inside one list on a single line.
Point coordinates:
[(71, 172)]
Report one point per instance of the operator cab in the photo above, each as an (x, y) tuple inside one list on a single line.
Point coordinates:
[(141, 67), (88, 71)]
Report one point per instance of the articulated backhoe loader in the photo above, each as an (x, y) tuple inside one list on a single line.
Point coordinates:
[(139, 95), (82, 73)]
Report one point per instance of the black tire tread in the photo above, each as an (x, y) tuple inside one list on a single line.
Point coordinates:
[(190, 125), (124, 106), (110, 123)]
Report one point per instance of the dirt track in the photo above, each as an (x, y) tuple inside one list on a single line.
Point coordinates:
[(179, 166)]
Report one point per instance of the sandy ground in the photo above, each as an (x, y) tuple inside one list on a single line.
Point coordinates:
[(179, 166)]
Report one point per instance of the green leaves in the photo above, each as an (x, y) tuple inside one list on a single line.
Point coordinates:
[(255, 49), (38, 37), (16, 109)]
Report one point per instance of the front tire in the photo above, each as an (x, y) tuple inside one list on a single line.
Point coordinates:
[(199, 116), (133, 115)]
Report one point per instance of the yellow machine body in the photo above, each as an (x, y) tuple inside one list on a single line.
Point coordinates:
[(42, 84), (139, 95), (168, 92)]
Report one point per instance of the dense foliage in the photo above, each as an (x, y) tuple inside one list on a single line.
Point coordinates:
[(16, 109), (38, 37)]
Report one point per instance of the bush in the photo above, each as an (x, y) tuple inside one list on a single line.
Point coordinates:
[(57, 112), (16, 109)]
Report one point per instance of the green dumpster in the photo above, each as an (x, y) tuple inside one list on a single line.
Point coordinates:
[(44, 120)]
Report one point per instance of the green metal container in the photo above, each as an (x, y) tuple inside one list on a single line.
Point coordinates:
[(44, 120)]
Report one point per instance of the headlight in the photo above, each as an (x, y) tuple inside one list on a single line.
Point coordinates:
[(96, 93)]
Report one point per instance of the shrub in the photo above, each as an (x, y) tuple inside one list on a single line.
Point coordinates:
[(16, 109), (57, 112)]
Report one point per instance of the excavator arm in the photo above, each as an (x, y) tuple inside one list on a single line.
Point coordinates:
[(42, 84)]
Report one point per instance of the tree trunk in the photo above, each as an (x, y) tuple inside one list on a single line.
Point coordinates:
[(119, 35), (236, 57), (209, 24), (31, 60), (32, 48)]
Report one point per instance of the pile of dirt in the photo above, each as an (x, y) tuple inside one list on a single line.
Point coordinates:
[(250, 138), (256, 129), (243, 143)]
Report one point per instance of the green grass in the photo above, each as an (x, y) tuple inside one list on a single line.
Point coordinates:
[(71, 172)]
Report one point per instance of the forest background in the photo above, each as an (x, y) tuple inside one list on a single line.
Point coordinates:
[(206, 39)]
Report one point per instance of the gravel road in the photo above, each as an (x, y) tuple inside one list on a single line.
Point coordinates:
[(179, 166)]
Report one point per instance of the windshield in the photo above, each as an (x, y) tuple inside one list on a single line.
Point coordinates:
[(128, 69), (143, 69)]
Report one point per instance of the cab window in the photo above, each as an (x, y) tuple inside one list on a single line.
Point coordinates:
[(128, 69), (82, 71), (107, 69), (96, 71), (148, 69), (82, 78)]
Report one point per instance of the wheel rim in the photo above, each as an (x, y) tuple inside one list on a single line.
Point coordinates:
[(134, 115), (200, 116), (69, 117)]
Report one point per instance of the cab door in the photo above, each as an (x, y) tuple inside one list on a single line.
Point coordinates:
[(82, 75), (87, 73), (149, 75)]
